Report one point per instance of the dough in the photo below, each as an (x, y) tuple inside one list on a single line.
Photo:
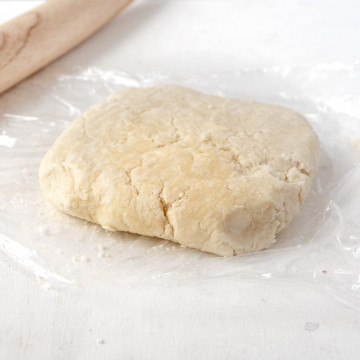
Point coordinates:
[(217, 174)]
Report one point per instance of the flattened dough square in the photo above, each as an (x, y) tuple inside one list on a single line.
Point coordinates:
[(217, 174)]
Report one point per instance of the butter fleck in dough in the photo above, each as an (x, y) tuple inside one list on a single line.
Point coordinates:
[(217, 174)]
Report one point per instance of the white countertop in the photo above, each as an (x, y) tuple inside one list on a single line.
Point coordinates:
[(218, 319)]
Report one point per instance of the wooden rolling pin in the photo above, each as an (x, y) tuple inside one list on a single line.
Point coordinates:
[(32, 40)]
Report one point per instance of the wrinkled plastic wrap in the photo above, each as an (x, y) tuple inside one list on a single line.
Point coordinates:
[(320, 248)]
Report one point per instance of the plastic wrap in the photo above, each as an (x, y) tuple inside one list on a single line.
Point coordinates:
[(320, 248)]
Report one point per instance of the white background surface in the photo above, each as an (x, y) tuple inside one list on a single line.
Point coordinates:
[(244, 320)]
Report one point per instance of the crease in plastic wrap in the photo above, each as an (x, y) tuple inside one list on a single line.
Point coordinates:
[(320, 248)]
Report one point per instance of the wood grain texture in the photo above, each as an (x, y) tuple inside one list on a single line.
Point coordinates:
[(32, 40)]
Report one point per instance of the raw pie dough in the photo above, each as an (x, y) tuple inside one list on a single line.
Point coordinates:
[(213, 173)]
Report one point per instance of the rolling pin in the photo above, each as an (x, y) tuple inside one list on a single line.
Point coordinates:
[(36, 38)]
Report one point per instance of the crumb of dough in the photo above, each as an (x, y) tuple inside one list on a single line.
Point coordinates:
[(83, 258), (356, 143)]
